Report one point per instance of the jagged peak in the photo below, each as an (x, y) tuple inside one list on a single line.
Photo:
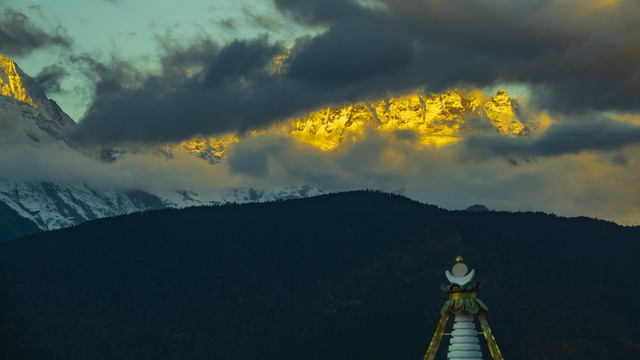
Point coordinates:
[(502, 98), (502, 101), (14, 82), (503, 111)]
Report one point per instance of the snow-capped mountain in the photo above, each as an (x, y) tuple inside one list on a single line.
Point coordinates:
[(30, 120), (181, 199), (438, 119), (54, 205), (28, 117)]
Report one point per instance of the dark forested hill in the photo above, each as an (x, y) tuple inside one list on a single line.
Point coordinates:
[(12, 225), (344, 276)]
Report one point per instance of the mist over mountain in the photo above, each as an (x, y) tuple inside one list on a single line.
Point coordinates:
[(343, 276), (53, 182), (45, 180), (33, 130)]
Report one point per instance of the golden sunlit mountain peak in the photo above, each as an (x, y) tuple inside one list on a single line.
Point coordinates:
[(211, 148), (437, 119), (27, 116), (328, 128), (502, 109), (11, 81)]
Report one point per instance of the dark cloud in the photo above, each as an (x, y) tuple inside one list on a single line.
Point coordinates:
[(239, 61), (251, 157), (577, 57), (322, 12), (233, 91), (19, 36), (352, 53), (179, 56), (50, 77), (112, 79), (579, 184), (558, 139), (583, 184), (619, 158), (574, 58), (118, 78)]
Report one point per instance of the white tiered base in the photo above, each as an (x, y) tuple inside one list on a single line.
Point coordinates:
[(464, 342)]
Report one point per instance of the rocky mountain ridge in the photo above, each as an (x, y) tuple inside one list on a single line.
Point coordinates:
[(54, 205), (29, 119), (438, 119)]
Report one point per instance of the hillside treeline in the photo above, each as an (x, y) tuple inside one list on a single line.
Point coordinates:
[(345, 276)]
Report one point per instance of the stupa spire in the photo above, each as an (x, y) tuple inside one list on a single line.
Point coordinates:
[(463, 304)]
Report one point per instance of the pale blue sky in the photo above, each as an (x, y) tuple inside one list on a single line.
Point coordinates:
[(128, 29)]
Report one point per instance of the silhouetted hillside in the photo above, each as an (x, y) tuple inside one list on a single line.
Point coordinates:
[(13, 225), (344, 276)]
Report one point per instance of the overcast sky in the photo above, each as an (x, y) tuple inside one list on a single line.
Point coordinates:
[(140, 71)]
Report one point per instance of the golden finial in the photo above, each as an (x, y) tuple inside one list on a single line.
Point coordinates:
[(458, 259)]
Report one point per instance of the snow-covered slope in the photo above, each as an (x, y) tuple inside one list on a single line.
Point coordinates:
[(55, 205), (181, 199), (29, 120), (27, 116)]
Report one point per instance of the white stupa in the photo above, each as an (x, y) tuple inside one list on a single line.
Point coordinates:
[(463, 304)]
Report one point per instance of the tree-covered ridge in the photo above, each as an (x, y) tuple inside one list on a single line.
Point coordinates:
[(344, 276), (13, 225)]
